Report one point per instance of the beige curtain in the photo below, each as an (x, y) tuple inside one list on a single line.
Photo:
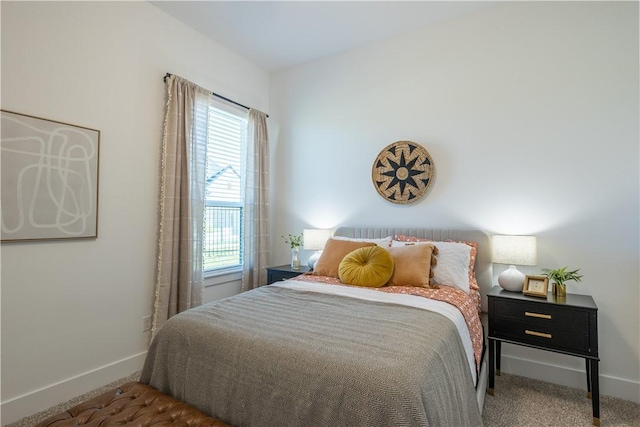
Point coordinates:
[(256, 204), (179, 281)]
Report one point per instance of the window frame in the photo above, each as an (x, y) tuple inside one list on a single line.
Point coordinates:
[(216, 274)]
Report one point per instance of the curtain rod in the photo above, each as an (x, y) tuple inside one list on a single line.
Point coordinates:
[(166, 76)]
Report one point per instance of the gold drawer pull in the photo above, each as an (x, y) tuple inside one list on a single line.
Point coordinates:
[(537, 334), (538, 315)]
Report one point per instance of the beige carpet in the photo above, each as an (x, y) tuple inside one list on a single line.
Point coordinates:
[(517, 402), (520, 401)]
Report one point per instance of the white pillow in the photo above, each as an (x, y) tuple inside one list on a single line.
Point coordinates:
[(452, 267), (384, 242)]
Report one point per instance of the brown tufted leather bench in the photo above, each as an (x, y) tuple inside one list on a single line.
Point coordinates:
[(132, 404)]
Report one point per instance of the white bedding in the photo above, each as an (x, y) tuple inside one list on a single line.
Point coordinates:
[(443, 308)]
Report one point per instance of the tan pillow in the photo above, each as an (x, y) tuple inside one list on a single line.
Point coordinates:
[(333, 253), (434, 258), (412, 265)]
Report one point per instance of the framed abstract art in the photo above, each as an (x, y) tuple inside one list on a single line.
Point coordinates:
[(49, 179)]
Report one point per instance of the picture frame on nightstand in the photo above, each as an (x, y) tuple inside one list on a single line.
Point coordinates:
[(536, 286)]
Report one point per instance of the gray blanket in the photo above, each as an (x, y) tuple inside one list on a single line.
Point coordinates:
[(282, 357)]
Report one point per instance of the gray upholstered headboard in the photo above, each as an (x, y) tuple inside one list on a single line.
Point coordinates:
[(484, 270)]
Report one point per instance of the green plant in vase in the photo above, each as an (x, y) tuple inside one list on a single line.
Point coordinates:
[(294, 241), (559, 277)]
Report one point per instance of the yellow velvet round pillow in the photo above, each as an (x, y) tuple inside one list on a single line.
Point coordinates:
[(371, 266)]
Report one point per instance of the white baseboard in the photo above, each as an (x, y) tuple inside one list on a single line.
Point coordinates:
[(44, 398), (609, 386)]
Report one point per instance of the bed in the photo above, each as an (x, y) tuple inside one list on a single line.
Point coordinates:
[(311, 351)]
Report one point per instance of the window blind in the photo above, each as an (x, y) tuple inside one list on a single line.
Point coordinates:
[(226, 136)]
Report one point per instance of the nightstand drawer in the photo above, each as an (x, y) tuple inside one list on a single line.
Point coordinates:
[(537, 333), (543, 315)]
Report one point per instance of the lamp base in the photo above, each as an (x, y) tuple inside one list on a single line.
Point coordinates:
[(313, 259), (511, 279)]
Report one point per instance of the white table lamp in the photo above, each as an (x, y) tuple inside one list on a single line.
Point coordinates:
[(314, 240), (513, 250)]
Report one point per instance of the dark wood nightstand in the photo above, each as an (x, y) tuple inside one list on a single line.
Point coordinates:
[(566, 325), (284, 272)]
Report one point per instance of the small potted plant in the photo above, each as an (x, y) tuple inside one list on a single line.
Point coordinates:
[(295, 241), (559, 277)]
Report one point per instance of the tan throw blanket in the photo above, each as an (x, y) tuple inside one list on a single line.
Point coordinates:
[(282, 357)]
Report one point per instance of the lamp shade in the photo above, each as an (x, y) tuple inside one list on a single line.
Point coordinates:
[(514, 250), (315, 239)]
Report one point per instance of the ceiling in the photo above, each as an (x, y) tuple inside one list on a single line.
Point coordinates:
[(279, 34)]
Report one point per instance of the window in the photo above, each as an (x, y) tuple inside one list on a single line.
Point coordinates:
[(224, 203)]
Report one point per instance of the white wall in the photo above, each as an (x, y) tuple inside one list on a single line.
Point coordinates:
[(520, 106), (530, 112), (72, 311)]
